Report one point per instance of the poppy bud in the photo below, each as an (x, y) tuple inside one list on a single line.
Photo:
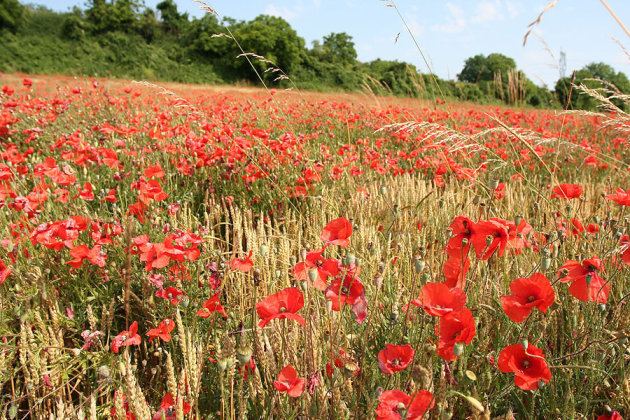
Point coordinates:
[(545, 264), (419, 265), (303, 254), (394, 317), (518, 220), (329, 306), (263, 250), (602, 307), (224, 363), (458, 349), (349, 259), (378, 281), (474, 402), (313, 274), (256, 276), (278, 274), (494, 184), (357, 262), (292, 260), (588, 279), (244, 354), (383, 190), (525, 344), (103, 372)]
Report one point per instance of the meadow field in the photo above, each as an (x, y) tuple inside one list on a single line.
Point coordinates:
[(195, 252)]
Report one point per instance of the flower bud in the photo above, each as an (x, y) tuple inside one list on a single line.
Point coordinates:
[(419, 265), (458, 349), (525, 344), (545, 264), (244, 354), (313, 274), (349, 259), (263, 250)]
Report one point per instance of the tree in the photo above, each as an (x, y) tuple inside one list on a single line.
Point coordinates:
[(585, 76), (11, 13), (338, 48), (118, 15), (170, 16), (482, 68), (270, 37)]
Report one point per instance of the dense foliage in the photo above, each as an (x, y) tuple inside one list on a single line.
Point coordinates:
[(121, 38)]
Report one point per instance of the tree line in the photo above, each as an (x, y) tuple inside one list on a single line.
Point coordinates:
[(122, 38)]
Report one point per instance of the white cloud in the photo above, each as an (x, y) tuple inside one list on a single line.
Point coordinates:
[(283, 12), (454, 23), (513, 9), (415, 28), (487, 11)]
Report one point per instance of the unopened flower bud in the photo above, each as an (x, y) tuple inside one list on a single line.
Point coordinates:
[(419, 265), (458, 349), (349, 259), (263, 250), (525, 344), (244, 354), (545, 264)]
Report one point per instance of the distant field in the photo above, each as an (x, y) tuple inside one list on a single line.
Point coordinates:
[(218, 252)]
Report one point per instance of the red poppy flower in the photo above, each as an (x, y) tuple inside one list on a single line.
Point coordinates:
[(527, 293), (289, 382), (529, 367), (211, 305), (567, 191), (81, 252), (610, 415), (462, 230), (167, 408), (170, 293), (325, 268), (4, 272), (396, 405), (438, 299), (625, 250), (489, 236), (620, 197), (244, 265), (126, 338), (337, 232), (395, 358), (499, 191), (344, 362), (349, 291), (586, 284), (163, 331), (281, 305), (455, 269), (455, 327)]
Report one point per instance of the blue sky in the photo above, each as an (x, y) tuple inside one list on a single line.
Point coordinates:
[(448, 32)]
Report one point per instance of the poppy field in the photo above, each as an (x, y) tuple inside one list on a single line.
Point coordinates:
[(194, 252)]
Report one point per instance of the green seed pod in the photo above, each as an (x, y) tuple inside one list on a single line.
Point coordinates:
[(244, 354), (545, 264)]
